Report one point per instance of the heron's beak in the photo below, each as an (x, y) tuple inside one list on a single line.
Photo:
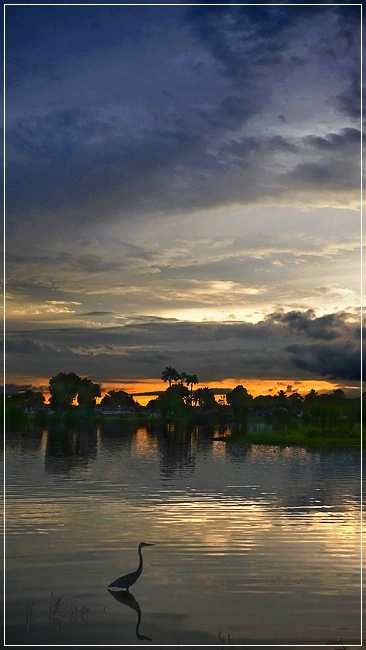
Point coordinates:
[(150, 544)]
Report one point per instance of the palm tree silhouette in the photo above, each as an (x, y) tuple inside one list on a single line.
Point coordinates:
[(190, 380), (170, 374)]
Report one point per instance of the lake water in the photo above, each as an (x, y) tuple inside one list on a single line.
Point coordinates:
[(254, 545)]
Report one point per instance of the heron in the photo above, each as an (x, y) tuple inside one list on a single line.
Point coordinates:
[(125, 582)]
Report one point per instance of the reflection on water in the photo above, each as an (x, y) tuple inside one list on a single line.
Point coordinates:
[(66, 451), (126, 598), (259, 542)]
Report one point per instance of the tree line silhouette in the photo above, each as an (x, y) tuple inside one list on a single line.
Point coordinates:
[(179, 400)]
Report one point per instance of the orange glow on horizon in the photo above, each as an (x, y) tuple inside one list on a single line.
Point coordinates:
[(254, 386)]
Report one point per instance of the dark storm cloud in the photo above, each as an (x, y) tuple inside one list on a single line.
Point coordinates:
[(331, 361), (47, 273), (244, 148), (349, 101), (332, 175), (96, 313), (92, 160), (307, 324), (347, 140), (11, 389), (267, 32), (72, 32), (337, 164), (272, 348), (217, 27), (57, 172), (26, 346)]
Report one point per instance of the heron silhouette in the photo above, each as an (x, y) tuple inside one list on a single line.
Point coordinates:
[(125, 582)]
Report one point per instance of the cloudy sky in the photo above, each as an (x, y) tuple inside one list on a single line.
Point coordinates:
[(183, 189)]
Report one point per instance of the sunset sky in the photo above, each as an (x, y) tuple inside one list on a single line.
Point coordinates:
[(183, 189)]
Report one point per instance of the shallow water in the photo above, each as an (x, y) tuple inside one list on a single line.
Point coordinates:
[(254, 545)]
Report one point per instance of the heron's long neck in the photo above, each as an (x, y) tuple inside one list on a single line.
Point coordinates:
[(139, 568)]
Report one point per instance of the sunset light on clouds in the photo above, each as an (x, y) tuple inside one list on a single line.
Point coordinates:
[(183, 189)]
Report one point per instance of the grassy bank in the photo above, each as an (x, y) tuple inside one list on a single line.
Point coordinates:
[(312, 438)]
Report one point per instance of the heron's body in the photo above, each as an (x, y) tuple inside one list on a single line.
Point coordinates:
[(125, 582)]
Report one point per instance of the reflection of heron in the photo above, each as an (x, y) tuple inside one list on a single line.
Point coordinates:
[(124, 582), (128, 599)]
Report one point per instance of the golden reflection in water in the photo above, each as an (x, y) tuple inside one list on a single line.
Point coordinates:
[(44, 438), (219, 448), (142, 443), (261, 451), (285, 543), (195, 434), (99, 438), (209, 521)]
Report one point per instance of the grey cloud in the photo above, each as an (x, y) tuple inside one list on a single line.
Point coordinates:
[(80, 260), (95, 313), (26, 346), (347, 138), (279, 143), (57, 180), (30, 290), (349, 101), (11, 389), (95, 263), (332, 361), (92, 163), (331, 174), (327, 328), (243, 149), (266, 34), (337, 165), (234, 110), (272, 348), (217, 28)]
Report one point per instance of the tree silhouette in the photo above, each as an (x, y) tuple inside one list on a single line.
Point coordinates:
[(174, 401), (311, 396), (63, 389), (190, 380), (170, 374), (29, 399), (118, 399), (87, 394), (239, 399), (204, 397)]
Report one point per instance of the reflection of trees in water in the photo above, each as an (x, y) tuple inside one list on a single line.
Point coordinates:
[(260, 426), (30, 440), (69, 449), (177, 454), (179, 447), (117, 436), (237, 453), (114, 428), (239, 428), (301, 480)]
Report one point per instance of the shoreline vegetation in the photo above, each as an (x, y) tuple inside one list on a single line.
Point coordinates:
[(287, 419), (311, 438)]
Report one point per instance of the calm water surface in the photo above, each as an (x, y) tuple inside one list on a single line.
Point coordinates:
[(255, 544)]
